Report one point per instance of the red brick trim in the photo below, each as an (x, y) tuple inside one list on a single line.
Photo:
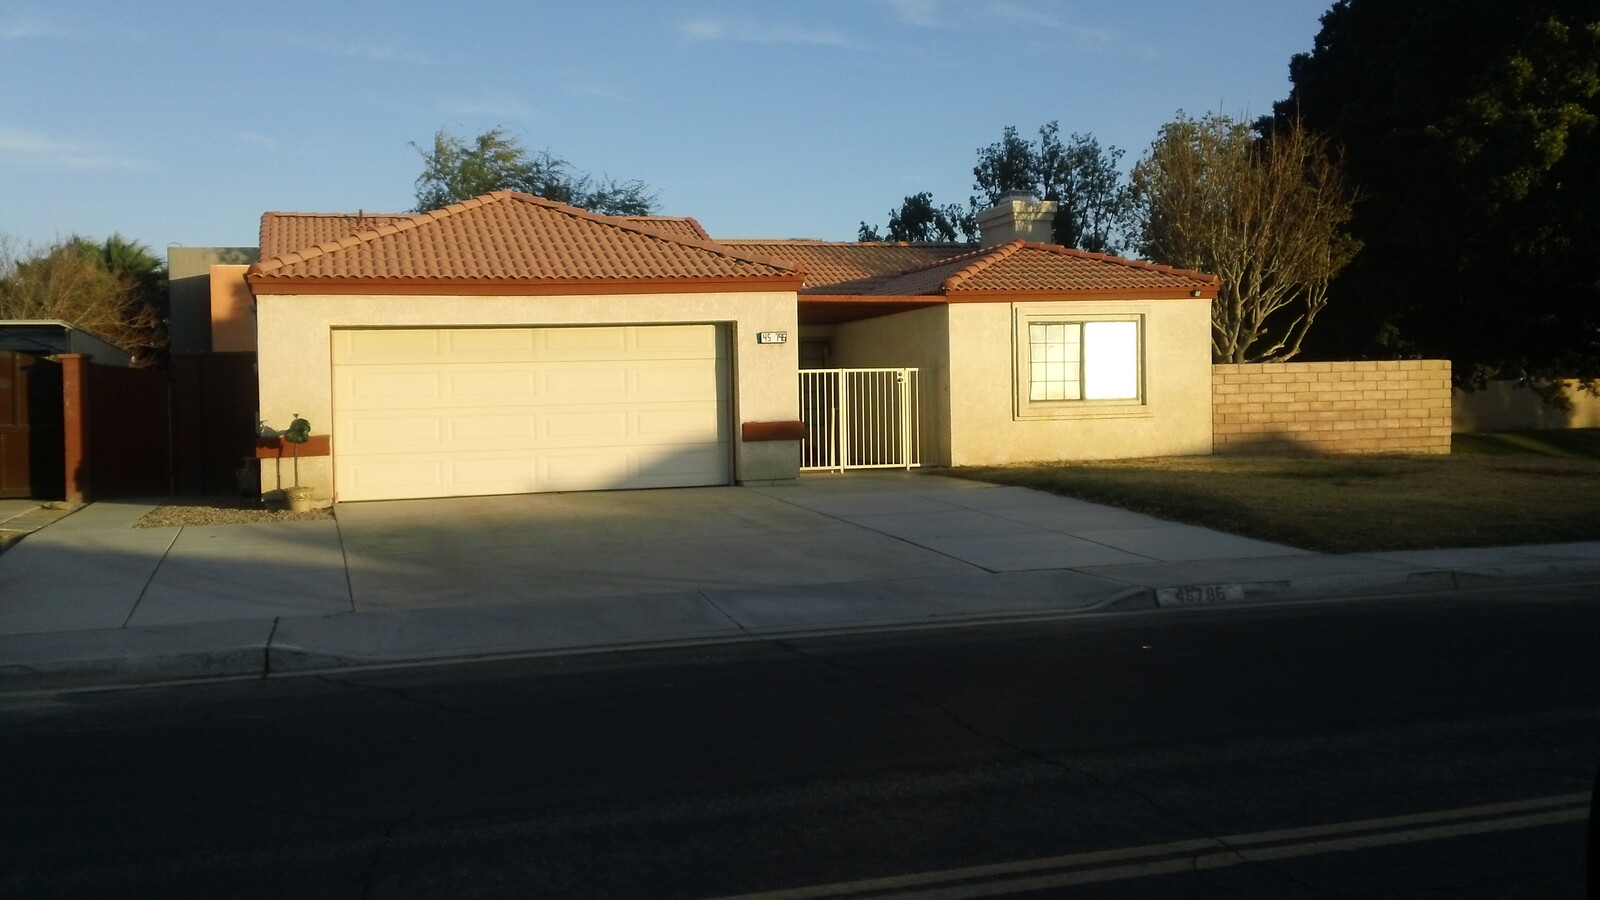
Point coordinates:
[(772, 431), (278, 448)]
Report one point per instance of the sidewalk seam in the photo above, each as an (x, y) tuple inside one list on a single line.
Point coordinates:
[(894, 537), (736, 623), (143, 589), (344, 554), (266, 648)]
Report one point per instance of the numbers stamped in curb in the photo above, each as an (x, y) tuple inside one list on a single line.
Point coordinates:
[(1199, 594)]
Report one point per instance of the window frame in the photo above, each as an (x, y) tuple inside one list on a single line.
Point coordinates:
[(1027, 408)]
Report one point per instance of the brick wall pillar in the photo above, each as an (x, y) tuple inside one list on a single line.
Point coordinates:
[(75, 414)]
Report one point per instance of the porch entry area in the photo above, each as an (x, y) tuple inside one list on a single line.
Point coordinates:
[(860, 419)]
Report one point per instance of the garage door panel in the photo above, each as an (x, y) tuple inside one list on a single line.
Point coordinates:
[(605, 427), (680, 425), (489, 344), (488, 411), (571, 469), (513, 430), (449, 431), (495, 386), (397, 346), (601, 381), (385, 386), (384, 433), (583, 343), (500, 384), (468, 476), (374, 477), (674, 341)]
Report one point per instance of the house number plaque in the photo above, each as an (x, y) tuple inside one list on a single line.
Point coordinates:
[(772, 337)]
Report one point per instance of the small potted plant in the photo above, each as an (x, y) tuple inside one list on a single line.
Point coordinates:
[(297, 433)]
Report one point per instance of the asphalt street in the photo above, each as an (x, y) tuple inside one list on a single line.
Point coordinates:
[(1408, 748)]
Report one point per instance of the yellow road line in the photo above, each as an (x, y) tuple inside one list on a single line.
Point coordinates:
[(1180, 856)]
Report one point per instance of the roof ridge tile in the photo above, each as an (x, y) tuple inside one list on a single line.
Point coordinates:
[(984, 260), (531, 239), (1123, 261)]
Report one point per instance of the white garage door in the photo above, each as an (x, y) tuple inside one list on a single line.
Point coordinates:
[(468, 411)]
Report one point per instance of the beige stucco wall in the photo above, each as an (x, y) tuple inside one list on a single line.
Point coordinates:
[(189, 292), (1508, 406), (295, 359), (1174, 419), (233, 321), (919, 339)]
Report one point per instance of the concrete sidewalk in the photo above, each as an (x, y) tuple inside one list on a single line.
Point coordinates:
[(89, 600)]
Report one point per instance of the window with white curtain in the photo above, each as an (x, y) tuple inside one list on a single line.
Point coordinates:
[(1082, 360)]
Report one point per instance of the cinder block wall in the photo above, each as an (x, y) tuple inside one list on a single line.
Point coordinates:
[(1400, 406)]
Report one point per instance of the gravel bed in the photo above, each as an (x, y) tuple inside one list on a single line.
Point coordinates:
[(222, 511)]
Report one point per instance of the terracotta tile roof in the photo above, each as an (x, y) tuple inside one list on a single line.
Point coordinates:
[(676, 226), (836, 267), (282, 232), (1028, 268), (513, 240)]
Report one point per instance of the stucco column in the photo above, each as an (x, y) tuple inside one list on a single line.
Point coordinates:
[(75, 419)]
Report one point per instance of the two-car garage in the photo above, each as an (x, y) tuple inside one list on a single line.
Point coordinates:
[(469, 411), (508, 344)]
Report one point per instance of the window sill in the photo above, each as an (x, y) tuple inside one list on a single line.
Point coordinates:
[(1081, 410)]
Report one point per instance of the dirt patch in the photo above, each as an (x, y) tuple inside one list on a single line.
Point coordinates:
[(222, 511)]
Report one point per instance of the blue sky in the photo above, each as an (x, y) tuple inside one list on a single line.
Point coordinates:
[(180, 123)]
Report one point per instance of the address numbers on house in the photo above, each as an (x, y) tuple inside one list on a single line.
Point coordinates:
[(772, 337)]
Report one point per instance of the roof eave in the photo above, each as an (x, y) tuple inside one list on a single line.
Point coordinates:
[(999, 296), (1207, 292), (261, 284)]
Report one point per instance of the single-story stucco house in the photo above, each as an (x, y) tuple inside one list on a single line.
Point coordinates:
[(510, 344)]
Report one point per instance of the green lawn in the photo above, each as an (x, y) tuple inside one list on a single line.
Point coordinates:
[(1493, 489)]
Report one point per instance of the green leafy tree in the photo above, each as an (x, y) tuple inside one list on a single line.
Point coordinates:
[(115, 289), (1266, 215), (455, 170), (918, 219), (1009, 164), (1473, 131), (1095, 202)]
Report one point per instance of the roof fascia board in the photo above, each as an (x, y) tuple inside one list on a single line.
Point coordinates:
[(1009, 295), (260, 285)]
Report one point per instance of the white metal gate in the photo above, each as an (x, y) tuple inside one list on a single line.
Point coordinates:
[(860, 419)]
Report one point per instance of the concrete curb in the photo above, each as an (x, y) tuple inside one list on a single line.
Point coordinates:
[(123, 656), (295, 645), (1323, 587)]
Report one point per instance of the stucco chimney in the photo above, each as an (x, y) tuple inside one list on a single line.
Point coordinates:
[(1017, 217)]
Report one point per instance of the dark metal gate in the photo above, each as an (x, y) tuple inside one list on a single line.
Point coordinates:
[(32, 461)]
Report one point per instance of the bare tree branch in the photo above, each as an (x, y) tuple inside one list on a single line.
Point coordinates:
[(1266, 215)]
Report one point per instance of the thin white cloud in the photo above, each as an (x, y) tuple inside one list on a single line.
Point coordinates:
[(764, 33), (256, 138), (495, 104), (922, 13), (1046, 17), (26, 148), (30, 25), (370, 51), (598, 91)]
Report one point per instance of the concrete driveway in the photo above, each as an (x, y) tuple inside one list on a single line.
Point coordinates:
[(831, 549), (470, 551)]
